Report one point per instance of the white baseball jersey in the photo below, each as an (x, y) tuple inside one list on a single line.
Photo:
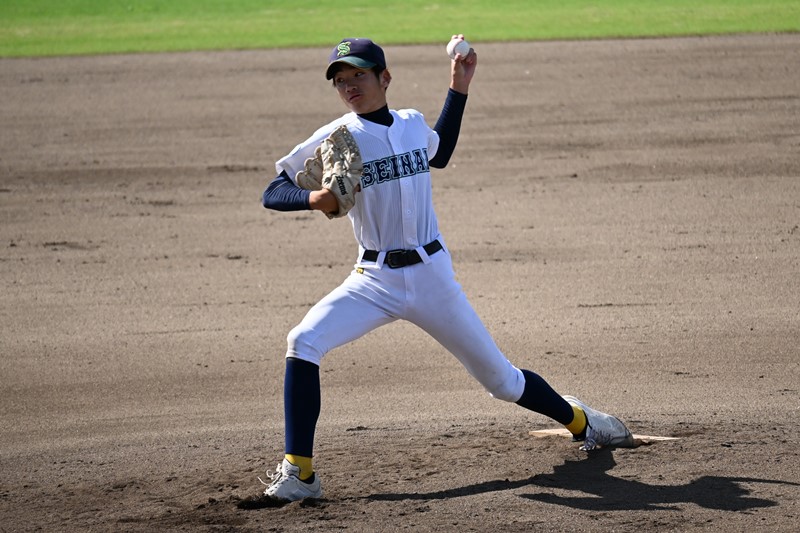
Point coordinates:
[(394, 210), (396, 184)]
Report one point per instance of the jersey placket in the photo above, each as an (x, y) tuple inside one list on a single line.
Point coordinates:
[(408, 203)]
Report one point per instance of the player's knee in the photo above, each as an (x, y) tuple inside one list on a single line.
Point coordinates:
[(300, 344), (510, 389), (503, 393)]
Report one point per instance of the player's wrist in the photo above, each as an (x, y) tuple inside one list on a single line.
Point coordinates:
[(323, 200), (462, 88)]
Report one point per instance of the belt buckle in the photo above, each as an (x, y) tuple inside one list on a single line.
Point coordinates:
[(395, 258)]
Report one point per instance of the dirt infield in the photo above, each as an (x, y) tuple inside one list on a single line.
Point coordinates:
[(624, 215)]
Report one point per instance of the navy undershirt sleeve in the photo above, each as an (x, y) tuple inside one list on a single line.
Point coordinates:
[(283, 195), (448, 127)]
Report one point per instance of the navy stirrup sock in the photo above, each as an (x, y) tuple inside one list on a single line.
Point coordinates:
[(540, 397), (301, 406)]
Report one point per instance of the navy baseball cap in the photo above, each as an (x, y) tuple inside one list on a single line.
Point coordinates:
[(360, 53)]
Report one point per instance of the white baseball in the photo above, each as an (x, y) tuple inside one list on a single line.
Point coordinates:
[(457, 47)]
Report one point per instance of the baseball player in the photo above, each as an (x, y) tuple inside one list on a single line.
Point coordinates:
[(403, 268)]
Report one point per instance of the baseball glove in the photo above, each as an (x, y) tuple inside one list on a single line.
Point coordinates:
[(341, 169)]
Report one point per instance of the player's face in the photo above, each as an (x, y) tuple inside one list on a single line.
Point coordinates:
[(361, 90)]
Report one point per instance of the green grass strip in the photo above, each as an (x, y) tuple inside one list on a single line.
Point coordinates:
[(70, 27)]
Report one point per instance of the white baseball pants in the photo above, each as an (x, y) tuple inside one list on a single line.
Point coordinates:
[(426, 294)]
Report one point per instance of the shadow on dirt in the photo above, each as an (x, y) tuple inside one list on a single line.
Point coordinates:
[(604, 492)]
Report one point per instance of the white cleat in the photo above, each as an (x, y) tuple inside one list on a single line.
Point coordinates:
[(602, 429), (287, 486)]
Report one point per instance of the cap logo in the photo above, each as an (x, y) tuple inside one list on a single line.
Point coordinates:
[(343, 49)]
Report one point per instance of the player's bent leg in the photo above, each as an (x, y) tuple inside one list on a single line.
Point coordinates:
[(347, 313), (294, 478), (302, 402)]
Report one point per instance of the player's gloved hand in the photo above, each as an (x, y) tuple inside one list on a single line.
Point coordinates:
[(341, 169)]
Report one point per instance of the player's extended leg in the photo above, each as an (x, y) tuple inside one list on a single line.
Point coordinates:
[(456, 326), (451, 320)]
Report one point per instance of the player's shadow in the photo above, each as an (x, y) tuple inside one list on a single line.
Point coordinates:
[(603, 492)]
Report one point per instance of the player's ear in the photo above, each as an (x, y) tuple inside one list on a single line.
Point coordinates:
[(386, 78)]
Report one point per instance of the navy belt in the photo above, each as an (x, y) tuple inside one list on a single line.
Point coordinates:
[(402, 258)]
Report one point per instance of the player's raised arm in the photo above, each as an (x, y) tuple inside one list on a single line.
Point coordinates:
[(463, 61)]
